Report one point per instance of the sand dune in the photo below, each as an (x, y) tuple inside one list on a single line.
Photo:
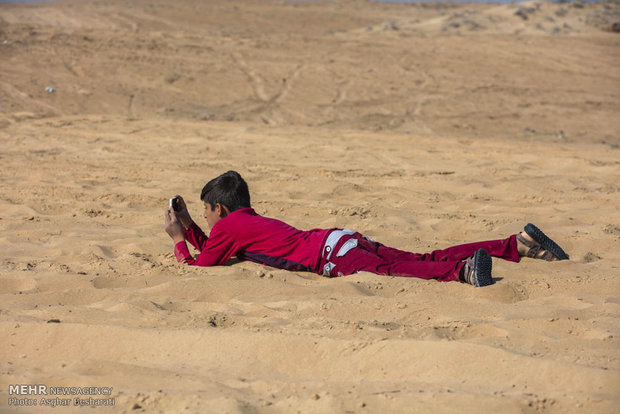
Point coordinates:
[(420, 125)]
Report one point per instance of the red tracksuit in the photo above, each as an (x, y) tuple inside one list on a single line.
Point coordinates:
[(331, 252)]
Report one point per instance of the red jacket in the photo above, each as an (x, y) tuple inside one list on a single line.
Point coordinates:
[(249, 236)]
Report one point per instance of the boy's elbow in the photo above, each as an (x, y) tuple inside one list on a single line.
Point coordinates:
[(202, 263)]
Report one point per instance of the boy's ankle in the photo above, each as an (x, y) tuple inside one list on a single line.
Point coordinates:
[(476, 270)]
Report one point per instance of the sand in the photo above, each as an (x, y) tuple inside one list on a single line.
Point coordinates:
[(423, 126)]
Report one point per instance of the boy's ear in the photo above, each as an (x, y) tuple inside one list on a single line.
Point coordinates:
[(221, 210)]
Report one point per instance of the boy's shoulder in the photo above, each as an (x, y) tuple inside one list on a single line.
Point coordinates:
[(247, 220), (243, 213), (241, 217)]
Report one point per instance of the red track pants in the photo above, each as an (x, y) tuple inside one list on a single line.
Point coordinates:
[(443, 265)]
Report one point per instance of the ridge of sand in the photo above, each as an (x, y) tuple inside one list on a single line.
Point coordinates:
[(231, 63)]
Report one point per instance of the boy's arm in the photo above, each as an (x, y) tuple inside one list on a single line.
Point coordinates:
[(182, 253), (216, 251), (192, 233), (195, 236), (178, 234)]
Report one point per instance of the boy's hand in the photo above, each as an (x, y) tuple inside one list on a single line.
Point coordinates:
[(173, 226), (182, 214)]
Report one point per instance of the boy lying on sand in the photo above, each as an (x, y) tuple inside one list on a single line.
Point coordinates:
[(237, 230)]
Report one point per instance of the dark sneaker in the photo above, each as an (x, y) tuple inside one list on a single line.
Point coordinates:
[(477, 269)]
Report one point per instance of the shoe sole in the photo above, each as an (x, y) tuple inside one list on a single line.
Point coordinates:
[(546, 243), (483, 265)]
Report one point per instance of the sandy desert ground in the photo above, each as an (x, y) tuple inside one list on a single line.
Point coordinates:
[(421, 125)]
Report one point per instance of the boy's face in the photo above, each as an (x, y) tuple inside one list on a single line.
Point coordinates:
[(212, 215)]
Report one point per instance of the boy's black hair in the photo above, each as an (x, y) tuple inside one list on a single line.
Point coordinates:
[(229, 189)]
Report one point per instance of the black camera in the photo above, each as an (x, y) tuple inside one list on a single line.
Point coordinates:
[(174, 203)]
